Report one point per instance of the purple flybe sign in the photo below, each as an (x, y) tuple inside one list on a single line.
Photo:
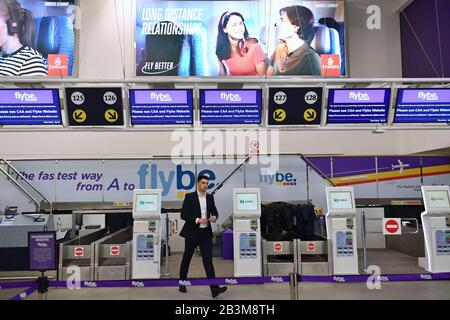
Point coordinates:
[(161, 107), (30, 107), (422, 106), (358, 106), (359, 96), (230, 106)]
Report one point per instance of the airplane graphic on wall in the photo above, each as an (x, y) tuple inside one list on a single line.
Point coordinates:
[(400, 166)]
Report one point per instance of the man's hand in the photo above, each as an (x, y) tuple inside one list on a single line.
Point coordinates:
[(202, 221), (212, 219)]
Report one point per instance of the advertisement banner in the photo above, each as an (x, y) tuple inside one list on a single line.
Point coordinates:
[(115, 180), (45, 30), (240, 38)]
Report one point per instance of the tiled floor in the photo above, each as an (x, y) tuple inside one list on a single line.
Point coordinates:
[(389, 262), (307, 291)]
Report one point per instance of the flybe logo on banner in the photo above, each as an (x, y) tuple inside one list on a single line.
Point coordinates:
[(279, 179), (230, 97), (428, 96), (359, 96), (151, 177), (28, 97), (160, 97)]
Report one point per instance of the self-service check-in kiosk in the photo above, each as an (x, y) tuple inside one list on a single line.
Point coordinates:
[(247, 232), (146, 234), (341, 230), (435, 229)]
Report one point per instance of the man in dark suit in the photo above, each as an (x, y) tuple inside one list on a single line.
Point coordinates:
[(199, 211)]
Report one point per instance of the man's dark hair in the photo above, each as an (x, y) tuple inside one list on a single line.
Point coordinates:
[(301, 17), (201, 177)]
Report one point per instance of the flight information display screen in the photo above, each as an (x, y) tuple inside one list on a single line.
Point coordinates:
[(30, 107), (161, 107), (358, 106), (422, 106), (230, 106)]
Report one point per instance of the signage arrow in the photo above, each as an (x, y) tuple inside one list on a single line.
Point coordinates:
[(310, 115), (79, 115), (111, 115), (279, 115)]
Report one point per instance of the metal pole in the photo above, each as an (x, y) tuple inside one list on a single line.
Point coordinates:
[(363, 238), (166, 273), (293, 284)]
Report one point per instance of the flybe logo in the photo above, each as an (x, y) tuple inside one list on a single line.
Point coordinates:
[(142, 203), (230, 97), (160, 97), (279, 179), (231, 281), (153, 178), (428, 96), (28, 97), (359, 96)]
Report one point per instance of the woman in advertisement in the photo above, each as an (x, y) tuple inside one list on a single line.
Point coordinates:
[(294, 56), (238, 54), (17, 32)]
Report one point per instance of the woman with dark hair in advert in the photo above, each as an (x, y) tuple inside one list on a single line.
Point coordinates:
[(17, 31), (238, 54), (294, 56)]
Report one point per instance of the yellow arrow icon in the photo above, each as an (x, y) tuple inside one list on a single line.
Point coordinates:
[(279, 115), (310, 115), (79, 116), (111, 115)]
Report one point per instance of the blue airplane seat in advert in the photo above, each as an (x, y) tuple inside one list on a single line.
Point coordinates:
[(340, 28), (323, 41), (184, 70), (194, 57), (199, 52), (55, 35)]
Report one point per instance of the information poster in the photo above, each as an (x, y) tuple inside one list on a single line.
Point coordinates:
[(42, 250)]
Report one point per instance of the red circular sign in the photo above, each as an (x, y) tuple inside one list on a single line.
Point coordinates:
[(311, 246), (277, 246), (79, 251), (114, 250), (391, 226)]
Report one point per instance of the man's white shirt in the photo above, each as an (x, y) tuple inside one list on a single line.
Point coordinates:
[(202, 200)]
